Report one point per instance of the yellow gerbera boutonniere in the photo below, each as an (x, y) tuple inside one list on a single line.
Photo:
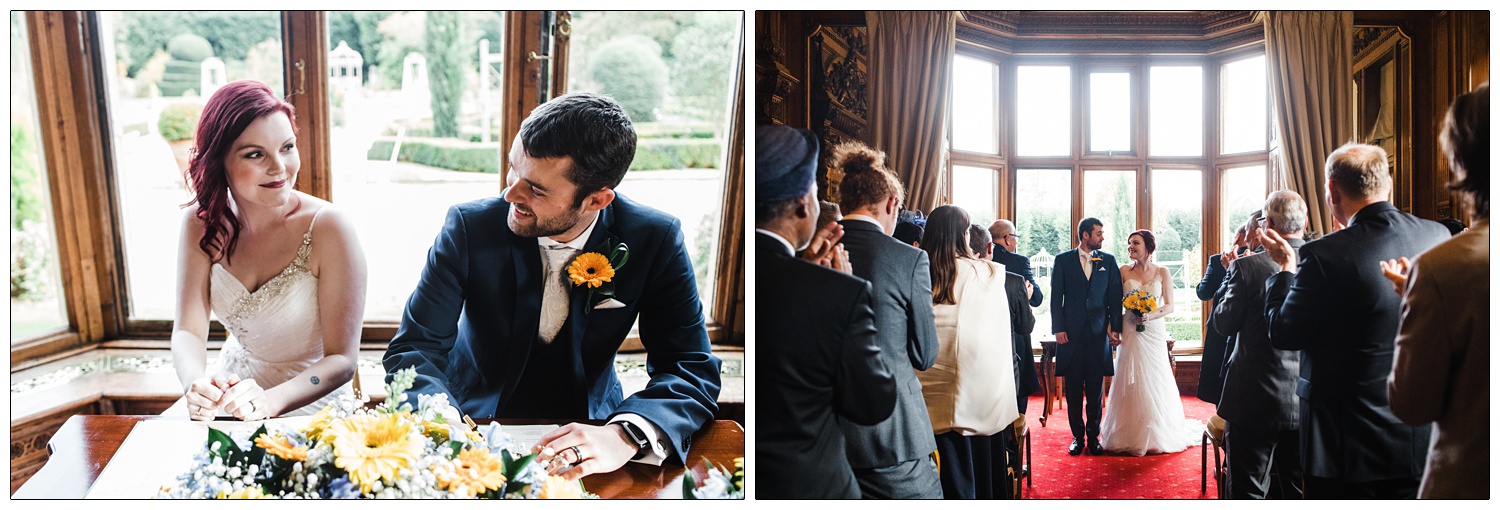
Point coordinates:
[(590, 269), (596, 271), (1096, 259)]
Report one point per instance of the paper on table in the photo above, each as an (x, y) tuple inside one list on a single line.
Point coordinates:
[(156, 451)]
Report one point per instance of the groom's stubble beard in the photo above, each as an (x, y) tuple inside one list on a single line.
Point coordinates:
[(539, 227)]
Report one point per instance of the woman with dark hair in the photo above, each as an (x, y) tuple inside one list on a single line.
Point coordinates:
[(970, 391), (1442, 368), (1144, 410), (280, 269)]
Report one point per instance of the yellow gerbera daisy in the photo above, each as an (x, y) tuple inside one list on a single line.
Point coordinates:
[(317, 429), (475, 471), (246, 493), (591, 269), (372, 448), (437, 431), (281, 446), (557, 487)]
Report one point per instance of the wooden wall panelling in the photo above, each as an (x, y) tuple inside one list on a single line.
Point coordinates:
[(28, 440), (838, 94)]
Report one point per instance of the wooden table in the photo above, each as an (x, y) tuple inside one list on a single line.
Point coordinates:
[(86, 443), (1049, 378)]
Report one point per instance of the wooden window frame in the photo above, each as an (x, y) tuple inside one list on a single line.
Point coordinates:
[(85, 204), (1210, 163)]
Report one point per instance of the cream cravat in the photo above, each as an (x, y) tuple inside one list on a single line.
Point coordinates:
[(1088, 264), (555, 290)]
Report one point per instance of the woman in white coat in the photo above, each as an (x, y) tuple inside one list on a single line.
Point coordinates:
[(970, 390)]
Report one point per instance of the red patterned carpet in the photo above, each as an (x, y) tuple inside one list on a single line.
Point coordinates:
[(1056, 475)]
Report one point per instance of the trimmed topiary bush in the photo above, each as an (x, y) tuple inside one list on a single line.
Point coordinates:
[(184, 71), (630, 69)]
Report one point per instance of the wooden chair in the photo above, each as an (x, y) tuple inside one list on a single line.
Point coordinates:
[(1018, 468), (1214, 435)]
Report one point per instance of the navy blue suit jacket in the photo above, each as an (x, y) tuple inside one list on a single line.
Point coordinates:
[(1086, 309), (1019, 264), (1343, 314), (471, 323)]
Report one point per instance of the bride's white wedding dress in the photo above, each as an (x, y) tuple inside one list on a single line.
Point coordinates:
[(1143, 413), (274, 332)]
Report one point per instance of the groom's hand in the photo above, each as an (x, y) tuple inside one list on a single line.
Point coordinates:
[(583, 450), (1062, 338), (1114, 338)]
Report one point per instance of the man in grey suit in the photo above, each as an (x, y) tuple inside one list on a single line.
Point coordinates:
[(1331, 301), (1259, 401), (891, 459)]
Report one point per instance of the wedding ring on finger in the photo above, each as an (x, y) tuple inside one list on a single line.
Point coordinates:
[(577, 455)]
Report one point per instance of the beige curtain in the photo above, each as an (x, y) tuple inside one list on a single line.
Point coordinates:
[(910, 57), (1310, 57)]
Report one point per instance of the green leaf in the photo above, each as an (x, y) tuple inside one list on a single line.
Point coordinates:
[(227, 450), (513, 467), (256, 453), (688, 484), (456, 447)]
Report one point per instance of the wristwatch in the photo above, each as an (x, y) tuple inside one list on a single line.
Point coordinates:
[(637, 436)]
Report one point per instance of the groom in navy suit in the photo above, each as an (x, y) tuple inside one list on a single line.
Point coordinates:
[(1086, 297), (498, 326)]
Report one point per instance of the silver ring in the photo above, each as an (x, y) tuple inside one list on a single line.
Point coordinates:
[(577, 455)]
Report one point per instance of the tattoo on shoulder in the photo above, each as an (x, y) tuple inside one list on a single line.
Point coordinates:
[(315, 380)]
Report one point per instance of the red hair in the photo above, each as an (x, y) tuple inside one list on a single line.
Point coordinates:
[(231, 109), (1147, 238)]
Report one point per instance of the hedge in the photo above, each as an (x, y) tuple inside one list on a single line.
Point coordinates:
[(1185, 331), (440, 153), (650, 154), (666, 153)]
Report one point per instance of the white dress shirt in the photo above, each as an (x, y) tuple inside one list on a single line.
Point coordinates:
[(1086, 257), (555, 259)]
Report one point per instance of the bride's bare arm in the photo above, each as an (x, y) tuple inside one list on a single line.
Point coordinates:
[(338, 262), (190, 320), (1166, 295)]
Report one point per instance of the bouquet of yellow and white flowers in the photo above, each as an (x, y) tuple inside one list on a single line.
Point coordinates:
[(1141, 303), (719, 484), (392, 451)]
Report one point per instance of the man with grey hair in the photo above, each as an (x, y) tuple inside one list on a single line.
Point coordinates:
[(1259, 403), (1006, 240), (1337, 308)]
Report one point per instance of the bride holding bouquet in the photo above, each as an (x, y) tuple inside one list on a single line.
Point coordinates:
[(1144, 410)]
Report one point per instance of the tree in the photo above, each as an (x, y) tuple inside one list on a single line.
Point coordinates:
[(400, 33), (445, 70), (704, 59), (630, 69), (1115, 206)]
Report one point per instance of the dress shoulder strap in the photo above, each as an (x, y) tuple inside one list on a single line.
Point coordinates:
[(306, 249)]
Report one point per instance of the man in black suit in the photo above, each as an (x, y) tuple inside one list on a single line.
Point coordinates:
[(1342, 313), (817, 360), (891, 459), (1259, 403), (1216, 346), (1003, 233), (1086, 317), (1022, 320)]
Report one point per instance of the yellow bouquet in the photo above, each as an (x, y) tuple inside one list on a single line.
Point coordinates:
[(1141, 304)]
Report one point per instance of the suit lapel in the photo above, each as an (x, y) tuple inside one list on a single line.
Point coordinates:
[(1096, 283), (528, 302), (578, 295)]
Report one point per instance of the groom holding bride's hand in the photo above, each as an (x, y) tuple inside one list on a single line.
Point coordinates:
[(1086, 317), (526, 298)]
